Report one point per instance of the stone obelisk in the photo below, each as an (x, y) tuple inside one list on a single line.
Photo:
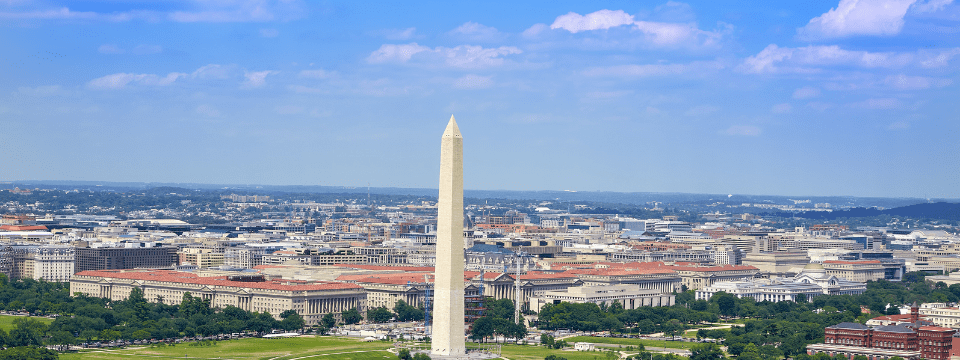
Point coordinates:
[(448, 328)]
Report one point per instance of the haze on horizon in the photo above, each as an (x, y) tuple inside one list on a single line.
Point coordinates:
[(834, 97)]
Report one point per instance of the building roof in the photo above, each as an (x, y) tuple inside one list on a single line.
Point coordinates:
[(191, 278), (382, 267), (393, 279), (22, 227), (542, 275), (850, 325), (899, 328), (935, 328), (852, 262)]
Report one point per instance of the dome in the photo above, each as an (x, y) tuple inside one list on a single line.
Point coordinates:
[(814, 270)]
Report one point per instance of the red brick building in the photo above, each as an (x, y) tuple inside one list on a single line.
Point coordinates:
[(918, 339)]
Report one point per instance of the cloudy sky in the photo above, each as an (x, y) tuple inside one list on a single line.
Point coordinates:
[(764, 97)]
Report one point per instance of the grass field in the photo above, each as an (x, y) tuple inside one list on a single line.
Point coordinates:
[(530, 352), (6, 321), (633, 342), (313, 348)]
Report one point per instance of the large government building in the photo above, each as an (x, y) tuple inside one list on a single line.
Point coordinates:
[(811, 282), (913, 339), (310, 299)]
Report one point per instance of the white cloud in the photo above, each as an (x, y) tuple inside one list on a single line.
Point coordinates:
[(905, 82), (781, 108), (471, 81), (206, 72), (120, 80), (598, 20), (215, 71), (400, 34), (463, 56), (256, 78), (535, 31), (858, 17), (806, 92), (929, 6), (743, 130), (314, 74), (937, 58), (657, 33), (672, 33), (774, 59), (470, 56), (110, 49), (395, 53), (269, 33), (476, 32)]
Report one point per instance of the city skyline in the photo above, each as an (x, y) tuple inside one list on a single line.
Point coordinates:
[(817, 98)]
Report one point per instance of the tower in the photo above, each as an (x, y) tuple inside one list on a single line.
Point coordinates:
[(448, 327)]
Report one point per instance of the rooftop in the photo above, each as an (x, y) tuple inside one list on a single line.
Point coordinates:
[(191, 278)]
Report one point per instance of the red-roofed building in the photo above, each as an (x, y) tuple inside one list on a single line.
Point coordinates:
[(23, 228), (311, 299)]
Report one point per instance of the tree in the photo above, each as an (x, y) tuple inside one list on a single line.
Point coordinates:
[(27, 332), (546, 340), (291, 321), (351, 316), (328, 321), (406, 312), (673, 328), (403, 354), (142, 334), (61, 339), (482, 328), (379, 315), (707, 351), (88, 334), (421, 356), (554, 357), (726, 302), (109, 335)]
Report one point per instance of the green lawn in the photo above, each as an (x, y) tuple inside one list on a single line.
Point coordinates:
[(6, 321), (254, 348), (634, 342), (530, 352)]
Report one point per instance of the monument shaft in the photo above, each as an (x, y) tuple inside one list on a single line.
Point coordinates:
[(448, 326)]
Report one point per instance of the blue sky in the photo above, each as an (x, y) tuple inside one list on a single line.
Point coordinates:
[(767, 97)]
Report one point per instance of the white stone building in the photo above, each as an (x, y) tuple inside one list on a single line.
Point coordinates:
[(630, 296), (812, 281)]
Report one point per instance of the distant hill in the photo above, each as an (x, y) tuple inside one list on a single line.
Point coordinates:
[(707, 202), (932, 211)]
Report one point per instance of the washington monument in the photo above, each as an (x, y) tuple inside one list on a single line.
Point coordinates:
[(448, 328)]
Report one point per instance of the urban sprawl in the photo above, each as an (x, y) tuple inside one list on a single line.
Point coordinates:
[(279, 254)]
